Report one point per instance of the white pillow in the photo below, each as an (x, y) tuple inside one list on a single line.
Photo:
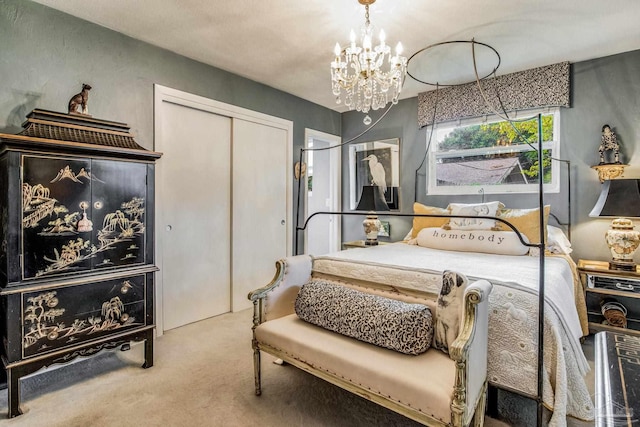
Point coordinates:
[(473, 209), (557, 241), (484, 241)]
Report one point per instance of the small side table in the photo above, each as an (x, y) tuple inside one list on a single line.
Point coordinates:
[(359, 244), (617, 366), (600, 283)]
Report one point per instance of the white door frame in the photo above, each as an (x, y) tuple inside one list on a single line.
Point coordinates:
[(335, 177), (166, 94)]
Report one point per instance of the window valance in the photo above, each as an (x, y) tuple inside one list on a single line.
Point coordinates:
[(546, 86)]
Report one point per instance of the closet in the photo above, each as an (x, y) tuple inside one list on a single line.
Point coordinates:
[(223, 204)]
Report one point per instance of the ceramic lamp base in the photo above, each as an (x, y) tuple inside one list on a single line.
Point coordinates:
[(371, 226), (623, 241)]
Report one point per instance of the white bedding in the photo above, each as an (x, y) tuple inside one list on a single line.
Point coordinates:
[(512, 353)]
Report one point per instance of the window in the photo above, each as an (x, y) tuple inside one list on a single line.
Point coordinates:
[(488, 155)]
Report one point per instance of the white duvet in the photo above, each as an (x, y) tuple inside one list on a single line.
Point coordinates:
[(513, 330)]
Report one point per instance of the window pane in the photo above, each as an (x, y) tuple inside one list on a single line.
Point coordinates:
[(498, 134), (493, 157), (491, 169)]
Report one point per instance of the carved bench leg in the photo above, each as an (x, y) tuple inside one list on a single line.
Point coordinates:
[(478, 415), (256, 371)]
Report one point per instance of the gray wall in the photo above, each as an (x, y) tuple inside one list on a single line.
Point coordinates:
[(604, 90), (46, 56)]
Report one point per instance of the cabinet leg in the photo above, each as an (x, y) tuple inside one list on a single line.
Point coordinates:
[(13, 390), (3, 378), (148, 351)]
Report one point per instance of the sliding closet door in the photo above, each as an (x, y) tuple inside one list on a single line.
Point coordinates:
[(195, 214), (259, 206)]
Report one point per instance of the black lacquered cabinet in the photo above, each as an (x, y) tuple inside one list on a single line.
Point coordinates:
[(76, 253)]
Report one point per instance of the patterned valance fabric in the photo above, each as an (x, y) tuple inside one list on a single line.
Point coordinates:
[(546, 86)]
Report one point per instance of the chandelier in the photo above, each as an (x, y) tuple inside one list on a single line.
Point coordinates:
[(362, 75)]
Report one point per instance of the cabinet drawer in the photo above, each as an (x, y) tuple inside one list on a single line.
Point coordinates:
[(615, 283), (630, 301), (56, 318)]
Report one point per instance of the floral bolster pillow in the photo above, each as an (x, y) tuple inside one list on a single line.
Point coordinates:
[(385, 322)]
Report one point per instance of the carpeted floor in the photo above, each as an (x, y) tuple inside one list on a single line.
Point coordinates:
[(203, 376)]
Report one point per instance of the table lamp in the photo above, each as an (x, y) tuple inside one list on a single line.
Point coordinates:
[(372, 200), (620, 199)]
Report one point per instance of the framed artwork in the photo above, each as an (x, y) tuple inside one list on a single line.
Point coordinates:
[(375, 163), (385, 229)]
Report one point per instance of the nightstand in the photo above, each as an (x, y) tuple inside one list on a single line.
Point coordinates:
[(359, 244), (601, 283)]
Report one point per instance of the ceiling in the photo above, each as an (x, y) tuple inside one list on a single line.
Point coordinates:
[(288, 44)]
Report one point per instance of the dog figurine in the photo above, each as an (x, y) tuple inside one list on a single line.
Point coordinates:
[(80, 100), (449, 309)]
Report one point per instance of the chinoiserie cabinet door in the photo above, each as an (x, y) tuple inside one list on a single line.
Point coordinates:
[(119, 192), (56, 193), (81, 214)]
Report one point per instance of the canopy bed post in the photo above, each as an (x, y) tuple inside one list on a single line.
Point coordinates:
[(541, 280)]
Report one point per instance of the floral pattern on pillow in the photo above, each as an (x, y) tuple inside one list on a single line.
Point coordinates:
[(385, 322)]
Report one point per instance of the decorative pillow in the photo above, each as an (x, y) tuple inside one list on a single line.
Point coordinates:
[(473, 209), (421, 222), (527, 221), (484, 241), (385, 322), (557, 241), (449, 309)]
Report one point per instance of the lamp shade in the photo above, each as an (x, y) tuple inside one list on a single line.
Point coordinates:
[(618, 198), (372, 199)]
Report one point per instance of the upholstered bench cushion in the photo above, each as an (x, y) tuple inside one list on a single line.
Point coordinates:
[(386, 322), (423, 382)]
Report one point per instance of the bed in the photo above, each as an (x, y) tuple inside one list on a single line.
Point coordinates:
[(513, 325)]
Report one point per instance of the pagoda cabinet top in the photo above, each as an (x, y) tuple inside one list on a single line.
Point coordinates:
[(76, 132)]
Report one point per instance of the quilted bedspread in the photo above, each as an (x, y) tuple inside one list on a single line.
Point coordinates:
[(513, 315)]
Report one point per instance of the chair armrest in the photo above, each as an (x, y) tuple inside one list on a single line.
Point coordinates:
[(277, 299), (469, 350)]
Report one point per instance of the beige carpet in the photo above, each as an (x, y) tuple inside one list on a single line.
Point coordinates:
[(203, 376)]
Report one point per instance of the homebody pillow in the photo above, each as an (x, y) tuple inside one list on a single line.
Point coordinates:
[(483, 241), (385, 322)]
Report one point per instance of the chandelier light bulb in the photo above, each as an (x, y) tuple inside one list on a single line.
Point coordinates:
[(399, 49), (365, 77)]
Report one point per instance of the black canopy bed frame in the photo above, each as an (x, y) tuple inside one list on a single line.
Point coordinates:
[(540, 246), (538, 398)]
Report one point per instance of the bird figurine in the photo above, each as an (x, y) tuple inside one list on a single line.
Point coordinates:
[(378, 175)]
